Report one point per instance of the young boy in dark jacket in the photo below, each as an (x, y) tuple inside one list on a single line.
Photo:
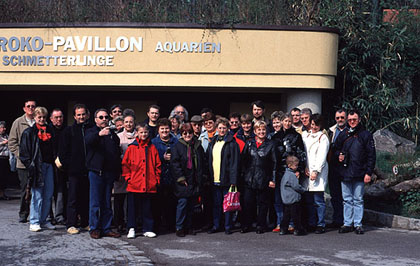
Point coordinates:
[(141, 168), (291, 192)]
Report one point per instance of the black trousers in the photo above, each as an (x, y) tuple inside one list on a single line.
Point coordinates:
[(78, 201), (23, 175), (293, 211), (119, 214), (256, 200), (60, 195), (164, 207)]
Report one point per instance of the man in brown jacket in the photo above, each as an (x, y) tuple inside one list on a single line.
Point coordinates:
[(18, 126)]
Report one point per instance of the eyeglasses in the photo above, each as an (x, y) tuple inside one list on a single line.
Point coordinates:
[(339, 117), (30, 106), (116, 111), (185, 133), (103, 117)]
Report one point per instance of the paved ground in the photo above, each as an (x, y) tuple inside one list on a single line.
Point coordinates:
[(19, 246), (379, 246)]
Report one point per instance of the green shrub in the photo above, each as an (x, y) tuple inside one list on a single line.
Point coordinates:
[(410, 204)]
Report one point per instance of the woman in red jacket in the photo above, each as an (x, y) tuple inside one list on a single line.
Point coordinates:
[(141, 169)]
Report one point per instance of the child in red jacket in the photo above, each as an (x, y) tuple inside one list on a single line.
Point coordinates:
[(141, 169)]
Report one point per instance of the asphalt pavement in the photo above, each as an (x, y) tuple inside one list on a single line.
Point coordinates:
[(378, 246)]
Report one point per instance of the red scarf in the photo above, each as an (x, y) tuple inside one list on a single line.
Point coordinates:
[(42, 133), (258, 143)]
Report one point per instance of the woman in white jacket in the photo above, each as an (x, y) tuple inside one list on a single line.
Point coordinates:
[(316, 146)]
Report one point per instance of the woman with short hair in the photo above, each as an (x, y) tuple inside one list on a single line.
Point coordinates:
[(187, 165), (37, 153), (223, 153), (259, 169)]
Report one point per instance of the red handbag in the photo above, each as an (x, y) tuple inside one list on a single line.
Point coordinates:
[(231, 200)]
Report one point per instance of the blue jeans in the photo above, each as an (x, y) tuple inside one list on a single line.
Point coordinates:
[(184, 212), (353, 202), (100, 211), (218, 195), (140, 205), (316, 208), (278, 204), (42, 196)]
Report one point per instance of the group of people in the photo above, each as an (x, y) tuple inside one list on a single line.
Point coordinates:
[(173, 173)]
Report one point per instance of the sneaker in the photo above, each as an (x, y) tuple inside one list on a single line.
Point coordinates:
[(73, 230), (131, 233), (277, 229), (149, 234), (34, 228), (359, 230), (48, 225)]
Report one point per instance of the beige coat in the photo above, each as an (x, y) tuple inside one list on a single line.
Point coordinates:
[(18, 126)]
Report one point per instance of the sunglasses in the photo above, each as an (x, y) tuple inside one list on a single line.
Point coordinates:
[(30, 106), (180, 112), (352, 120), (103, 117), (339, 117)]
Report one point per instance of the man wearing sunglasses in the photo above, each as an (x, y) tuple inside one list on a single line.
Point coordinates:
[(19, 125), (104, 165), (334, 182), (356, 155)]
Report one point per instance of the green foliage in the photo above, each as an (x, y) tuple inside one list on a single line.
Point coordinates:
[(378, 64), (410, 204)]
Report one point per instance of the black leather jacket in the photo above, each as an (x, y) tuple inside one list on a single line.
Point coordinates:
[(30, 154), (259, 165), (288, 143)]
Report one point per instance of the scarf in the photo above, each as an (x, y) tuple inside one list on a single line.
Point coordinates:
[(189, 154), (42, 133)]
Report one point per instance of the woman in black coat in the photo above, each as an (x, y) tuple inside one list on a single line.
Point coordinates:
[(187, 164), (259, 168), (37, 153), (223, 153)]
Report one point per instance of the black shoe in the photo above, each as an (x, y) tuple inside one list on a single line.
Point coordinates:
[(345, 229), (244, 230), (23, 220), (311, 229), (334, 225), (359, 230), (121, 229), (228, 232), (299, 232), (180, 233), (191, 232), (320, 230), (212, 231), (283, 232), (260, 230)]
